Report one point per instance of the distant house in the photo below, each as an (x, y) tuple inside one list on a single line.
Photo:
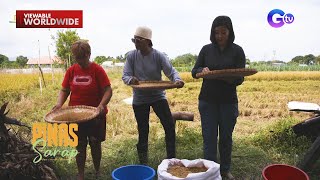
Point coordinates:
[(120, 64), (278, 64), (303, 65), (107, 64), (44, 61)]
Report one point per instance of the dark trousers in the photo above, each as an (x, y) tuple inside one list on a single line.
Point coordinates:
[(162, 110), (218, 118)]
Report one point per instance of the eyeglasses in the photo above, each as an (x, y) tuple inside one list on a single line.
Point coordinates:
[(136, 39)]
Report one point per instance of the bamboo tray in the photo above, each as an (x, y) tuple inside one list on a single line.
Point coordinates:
[(155, 85), (241, 72), (72, 114)]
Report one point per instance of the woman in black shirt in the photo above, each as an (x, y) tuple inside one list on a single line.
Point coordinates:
[(218, 101)]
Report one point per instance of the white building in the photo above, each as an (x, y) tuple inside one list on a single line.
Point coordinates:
[(44, 61), (120, 64), (107, 64)]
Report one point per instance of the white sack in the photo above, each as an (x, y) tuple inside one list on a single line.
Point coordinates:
[(213, 172)]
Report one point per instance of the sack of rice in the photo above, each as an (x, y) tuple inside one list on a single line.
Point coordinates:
[(198, 169)]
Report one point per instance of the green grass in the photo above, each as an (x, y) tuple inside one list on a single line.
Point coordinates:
[(280, 142)]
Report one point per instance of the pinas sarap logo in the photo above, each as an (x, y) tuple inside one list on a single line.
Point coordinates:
[(52, 138)]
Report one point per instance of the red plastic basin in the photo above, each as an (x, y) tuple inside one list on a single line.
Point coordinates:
[(283, 172)]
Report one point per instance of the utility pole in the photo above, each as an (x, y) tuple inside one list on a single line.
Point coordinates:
[(51, 63), (39, 69), (274, 55)]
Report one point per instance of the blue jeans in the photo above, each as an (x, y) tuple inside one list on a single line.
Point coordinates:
[(216, 117)]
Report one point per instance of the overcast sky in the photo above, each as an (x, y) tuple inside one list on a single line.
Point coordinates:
[(179, 26)]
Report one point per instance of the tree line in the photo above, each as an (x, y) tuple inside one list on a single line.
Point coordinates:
[(20, 62), (64, 40)]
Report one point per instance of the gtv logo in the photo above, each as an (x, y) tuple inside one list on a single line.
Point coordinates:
[(277, 18)]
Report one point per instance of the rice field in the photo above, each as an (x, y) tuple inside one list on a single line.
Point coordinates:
[(263, 100)]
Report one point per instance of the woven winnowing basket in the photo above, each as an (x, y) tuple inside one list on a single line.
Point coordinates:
[(148, 85), (227, 73), (72, 114)]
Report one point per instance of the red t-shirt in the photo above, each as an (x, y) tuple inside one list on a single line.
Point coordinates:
[(86, 85)]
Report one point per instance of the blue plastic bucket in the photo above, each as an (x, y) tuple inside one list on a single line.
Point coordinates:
[(133, 172)]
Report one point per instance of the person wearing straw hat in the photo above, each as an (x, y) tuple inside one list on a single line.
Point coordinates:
[(87, 84), (146, 64), (218, 101)]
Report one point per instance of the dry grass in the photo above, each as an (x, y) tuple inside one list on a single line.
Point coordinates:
[(262, 101), (263, 97), (285, 76), (269, 76)]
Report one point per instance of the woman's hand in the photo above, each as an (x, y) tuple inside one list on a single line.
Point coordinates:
[(56, 107), (134, 81), (101, 110), (205, 69), (180, 83)]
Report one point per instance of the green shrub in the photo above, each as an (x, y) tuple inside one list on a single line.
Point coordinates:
[(279, 140)]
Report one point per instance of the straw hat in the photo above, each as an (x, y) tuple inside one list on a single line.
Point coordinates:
[(144, 32)]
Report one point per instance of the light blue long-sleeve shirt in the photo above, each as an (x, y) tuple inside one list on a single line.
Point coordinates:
[(148, 68)]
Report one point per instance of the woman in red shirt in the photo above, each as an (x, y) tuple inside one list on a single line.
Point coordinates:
[(89, 85)]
